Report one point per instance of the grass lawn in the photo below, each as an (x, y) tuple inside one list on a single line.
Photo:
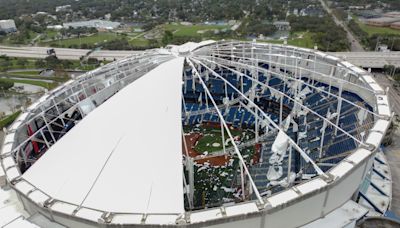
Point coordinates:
[(139, 42), (376, 30), (8, 119), (17, 76), (98, 38), (299, 39), (191, 30), (15, 65), (31, 82), (305, 40), (22, 73), (50, 34)]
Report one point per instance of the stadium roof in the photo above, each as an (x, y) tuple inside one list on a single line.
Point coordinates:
[(123, 156)]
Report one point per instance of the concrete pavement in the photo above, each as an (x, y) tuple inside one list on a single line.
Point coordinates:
[(370, 59), (62, 53)]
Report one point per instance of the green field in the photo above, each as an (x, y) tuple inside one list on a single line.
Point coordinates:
[(212, 138), (139, 42), (31, 82), (94, 39), (27, 73), (49, 34), (305, 40), (24, 76), (299, 39), (8, 119), (192, 30), (31, 65)]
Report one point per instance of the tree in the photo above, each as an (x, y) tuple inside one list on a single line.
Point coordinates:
[(92, 61), (167, 38), (5, 84), (22, 62), (67, 64), (52, 61), (40, 63), (5, 64)]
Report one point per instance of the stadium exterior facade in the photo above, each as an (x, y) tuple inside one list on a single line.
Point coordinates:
[(295, 205)]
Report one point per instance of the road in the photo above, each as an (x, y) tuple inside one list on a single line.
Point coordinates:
[(355, 44), (370, 59), (62, 53)]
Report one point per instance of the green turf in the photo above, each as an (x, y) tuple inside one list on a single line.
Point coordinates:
[(139, 42), (213, 135), (97, 38), (53, 78), (31, 82), (192, 30), (305, 40), (9, 119), (28, 73), (299, 39)]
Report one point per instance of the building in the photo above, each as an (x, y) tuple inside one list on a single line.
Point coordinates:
[(55, 27), (395, 25), (63, 8), (7, 26), (395, 14), (368, 14), (211, 134), (98, 24), (382, 21), (282, 25)]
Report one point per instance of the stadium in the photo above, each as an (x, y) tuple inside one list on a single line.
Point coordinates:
[(216, 134)]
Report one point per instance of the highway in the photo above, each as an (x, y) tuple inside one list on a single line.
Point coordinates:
[(362, 59), (62, 53), (370, 59)]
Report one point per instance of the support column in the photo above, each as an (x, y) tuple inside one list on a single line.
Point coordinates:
[(339, 106)]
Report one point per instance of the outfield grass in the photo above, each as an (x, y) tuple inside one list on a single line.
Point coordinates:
[(213, 135), (191, 30), (31, 82)]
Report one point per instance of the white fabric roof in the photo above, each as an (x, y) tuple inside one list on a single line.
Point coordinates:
[(125, 156)]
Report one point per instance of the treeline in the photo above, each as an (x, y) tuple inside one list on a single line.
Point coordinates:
[(326, 34), (159, 11)]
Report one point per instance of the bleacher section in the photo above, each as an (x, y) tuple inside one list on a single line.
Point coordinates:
[(335, 145)]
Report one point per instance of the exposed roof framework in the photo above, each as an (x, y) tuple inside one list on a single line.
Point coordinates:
[(137, 107)]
